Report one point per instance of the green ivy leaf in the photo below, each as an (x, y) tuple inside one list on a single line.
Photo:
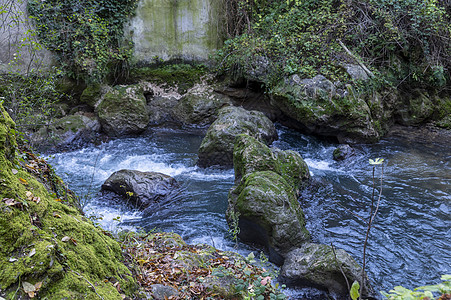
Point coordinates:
[(354, 293)]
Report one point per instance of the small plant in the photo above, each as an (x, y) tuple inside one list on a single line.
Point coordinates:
[(422, 292), (234, 229)]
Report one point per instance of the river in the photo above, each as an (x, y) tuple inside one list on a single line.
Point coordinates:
[(408, 245)]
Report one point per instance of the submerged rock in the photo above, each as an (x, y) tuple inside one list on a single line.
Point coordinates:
[(343, 152), (217, 146), (250, 155), (69, 132), (123, 111), (317, 264), (142, 189), (265, 208)]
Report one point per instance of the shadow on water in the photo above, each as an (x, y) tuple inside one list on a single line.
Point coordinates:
[(409, 244)]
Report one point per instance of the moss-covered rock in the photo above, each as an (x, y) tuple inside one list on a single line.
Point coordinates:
[(415, 107), (318, 265), (320, 108), (217, 146), (49, 249), (265, 208), (200, 105), (250, 155), (69, 132), (123, 111), (92, 94), (443, 112)]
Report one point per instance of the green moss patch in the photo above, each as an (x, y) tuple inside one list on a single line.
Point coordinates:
[(49, 249)]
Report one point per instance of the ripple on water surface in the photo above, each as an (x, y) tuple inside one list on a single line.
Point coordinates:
[(409, 243)]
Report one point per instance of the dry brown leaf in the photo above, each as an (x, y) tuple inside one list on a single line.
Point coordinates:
[(23, 181), (38, 285), (56, 215), (29, 195)]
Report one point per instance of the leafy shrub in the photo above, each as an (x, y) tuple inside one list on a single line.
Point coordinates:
[(422, 292), (409, 40)]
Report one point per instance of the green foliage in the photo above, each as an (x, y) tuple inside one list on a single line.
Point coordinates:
[(422, 292), (30, 98), (354, 293), (87, 36), (407, 40)]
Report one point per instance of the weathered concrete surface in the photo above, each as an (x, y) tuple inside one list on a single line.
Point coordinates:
[(19, 48), (168, 29)]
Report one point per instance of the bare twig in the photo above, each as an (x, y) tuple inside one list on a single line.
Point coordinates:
[(356, 59)]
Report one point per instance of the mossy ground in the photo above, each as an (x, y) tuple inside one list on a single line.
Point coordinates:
[(46, 241), (181, 75)]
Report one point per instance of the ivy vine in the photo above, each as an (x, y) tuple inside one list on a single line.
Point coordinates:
[(86, 35)]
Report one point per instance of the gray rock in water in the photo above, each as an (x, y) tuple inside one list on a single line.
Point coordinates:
[(316, 264), (142, 189), (317, 108), (200, 105), (268, 213), (217, 146), (343, 152), (123, 111), (250, 155)]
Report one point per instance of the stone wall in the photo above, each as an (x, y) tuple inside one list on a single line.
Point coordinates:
[(168, 29), (19, 48)]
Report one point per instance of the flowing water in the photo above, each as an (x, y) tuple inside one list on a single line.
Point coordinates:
[(409, 244)]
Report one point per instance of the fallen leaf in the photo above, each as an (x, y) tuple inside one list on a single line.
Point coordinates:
[(24, 182), (74, 241), (38, 285), (65, 239), (12, 259), (32, 252), (56, 215), (266, 280), (14, 171), (10, 202), (28, 287), (29, 195), (58, 199), (36, 199)]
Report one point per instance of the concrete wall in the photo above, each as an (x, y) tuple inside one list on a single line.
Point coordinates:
[(19, 49), (167, 29), (164, 29)]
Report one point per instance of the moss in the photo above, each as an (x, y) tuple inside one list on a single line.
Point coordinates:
[(182, 75), (91, 94), (251, 155), (443, 112), (32, 231)]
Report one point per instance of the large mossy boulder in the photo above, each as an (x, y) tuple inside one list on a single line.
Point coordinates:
[(142, 189), (320, 108), (49, 250), (317, 264), (69, 132), (123, 111), (250, 155), (200, 105), (217, 146), (265, 208)]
